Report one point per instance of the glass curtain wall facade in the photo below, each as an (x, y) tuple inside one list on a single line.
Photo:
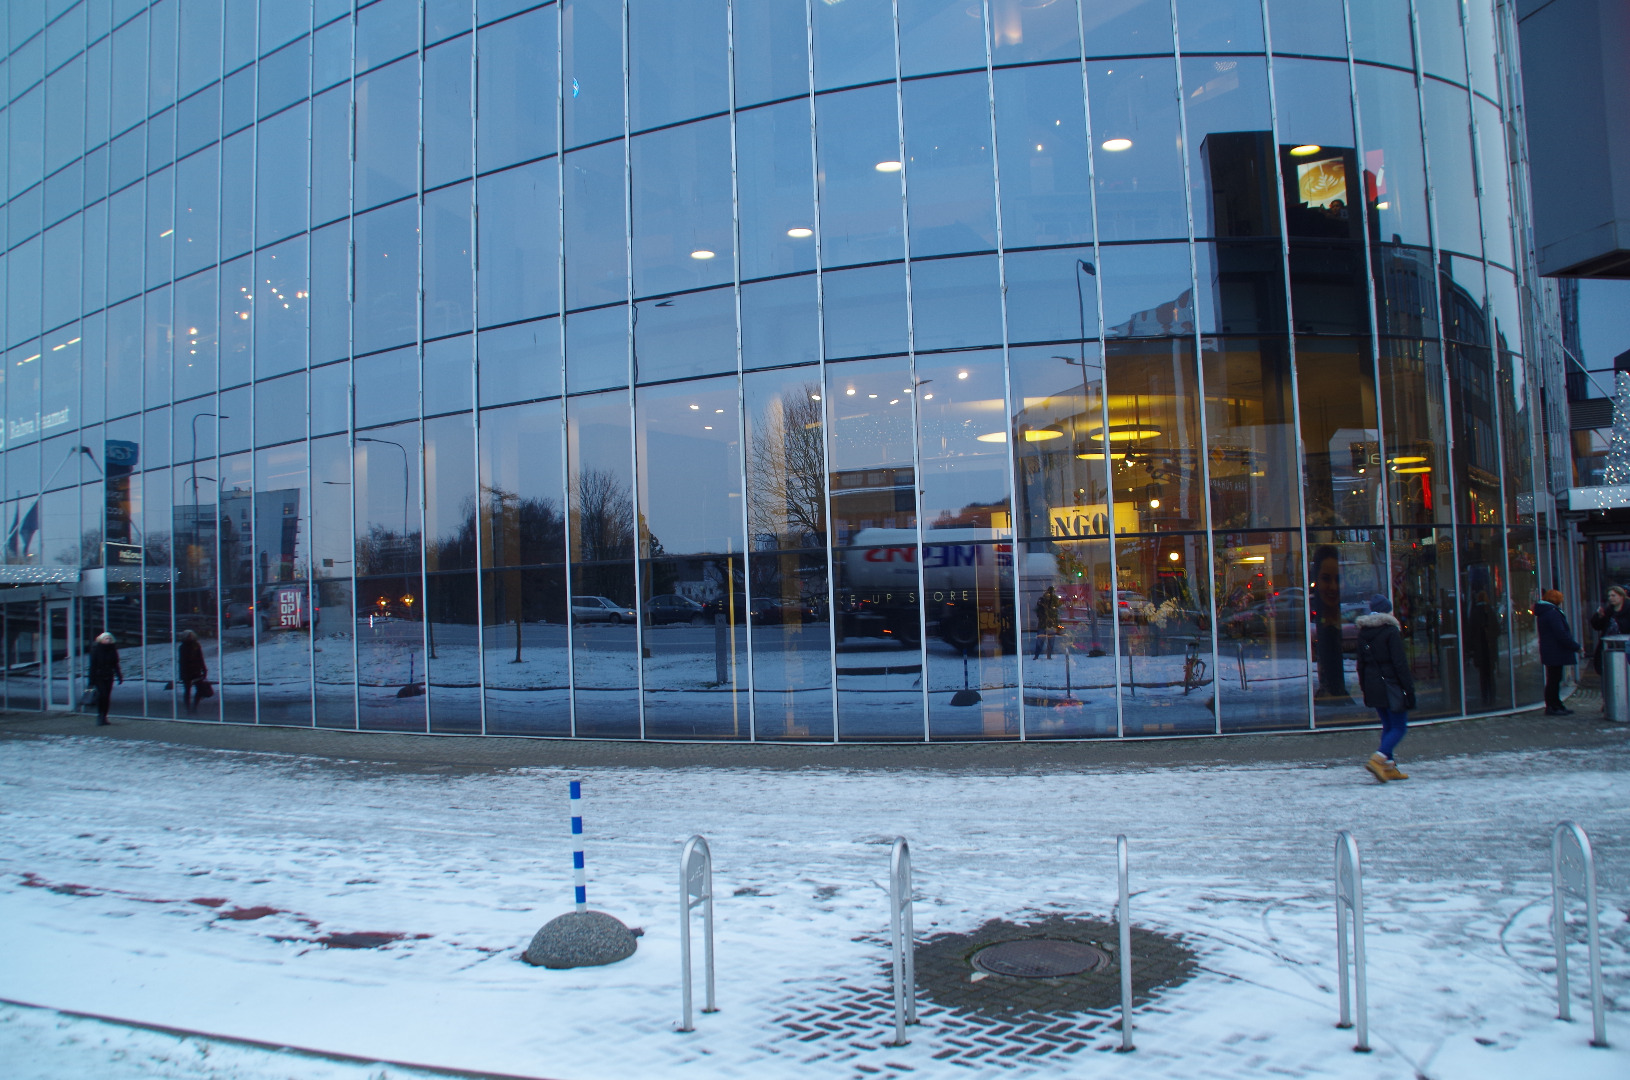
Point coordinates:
[(784, 369)]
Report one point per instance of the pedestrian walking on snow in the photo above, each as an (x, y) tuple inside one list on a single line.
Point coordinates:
[(192, 669), (1387, 682), (1557, 648), (104, 669), (1046, 622), (1612, 617)]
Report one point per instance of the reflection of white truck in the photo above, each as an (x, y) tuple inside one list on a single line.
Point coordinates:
[(967, 581)]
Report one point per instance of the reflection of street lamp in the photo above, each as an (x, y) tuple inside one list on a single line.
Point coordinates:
[(406, 469)]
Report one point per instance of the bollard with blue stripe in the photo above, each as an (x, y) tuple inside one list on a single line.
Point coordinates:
[(578, 878)]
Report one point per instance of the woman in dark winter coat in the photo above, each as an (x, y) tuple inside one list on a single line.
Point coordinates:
[(193, 670), (1557, 648), (104, 669), (1612, 617), (1387, 682)]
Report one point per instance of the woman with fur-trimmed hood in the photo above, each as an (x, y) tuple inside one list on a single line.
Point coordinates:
[(1387, 682)]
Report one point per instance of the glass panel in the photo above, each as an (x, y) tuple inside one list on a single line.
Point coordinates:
[(387, 387), (1042, 154), (1496, 196), (597, 255), (1412, 396), (695, 613), (1242, 286), (1262, 630), (1345, 570), (1424, 601), (1046, 288), (519, 266), (682, 208), (331, 155), (1448, 137), (1022, 31), (387, 275), (1252, 437), (780, 324), (515, 92), (859, 155), (448, 264), (973, 672), (387, 134), (1483, 594), (1476, 435), (677, 66), (192, 540), (284, 77), (775, 181), (940, 35), (1406, 302), (597, 353), (1230, 146), (1139, 170), (854, 43), (447, 145), (1224, 26), (592, 59), (1528, 676), (526, 663), (956, 303), (1309, 27), (196, 203), (1381, 31), (1339, 434), (280, 409), (385, 31), (1128, 28), (1147, 290), (452, 634), (284, 614), (1443, 50), (605, 654), (331, 554), (952, 192), (519, 363), (390, 630), (865, 311), (963, 444), (280, 308), (1164, 608), (879, 628), (447, 370), (235, 535), (685, 336), (1154, 420), (280, 180), (771, 51), (331, 282)]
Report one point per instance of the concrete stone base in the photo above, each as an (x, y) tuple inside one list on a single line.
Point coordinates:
[(580, 939)]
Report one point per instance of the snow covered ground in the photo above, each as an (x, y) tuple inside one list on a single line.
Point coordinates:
[(203, 890)]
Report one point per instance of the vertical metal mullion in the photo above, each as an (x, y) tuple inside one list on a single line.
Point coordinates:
[(566, 496), (254, 287), (1199, 377), (1309, 641), (1007, 387), (418, 322), (310, 566), (141, 401), (481, 568), (911, 361), (1443, 353), (832, 613), (215, 559), (633, 377), (1365, 210), (1108, 474), (741, 384), (351, 365), (175, 195)]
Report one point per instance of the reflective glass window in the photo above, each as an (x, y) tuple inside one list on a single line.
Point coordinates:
[(198, 121), (280, 308), (280, 23), (688, 444), (1128, 28), (1448, 139), (865, 311), (447, 145), (1394, 168), (386, 387), (280, 409), (1042, 155), (683, 337), (1147, 290), (284, 77), (196, 206), (676, 61), (854, 43), (775, 183), (1483, 595), (444, 18), (64, 245), (390, 630), (200, 44), (1443, 48), (596, 251), (786, 492), (859, 159), (64, 116), (779, 322), (387, 134), (387, 275), (237, 181), (196, 334), (683, 237), (330, 402), (386, 30), (597, 349), (1230, 146), (238, 100), (1482, 48), (331, 55), (331, 155), (1163, 606), (156, 352), (1412, 408), (125, 224), (1154, 420), (1381, 31), (282, 608), (1309, 28), (1051, 295), (449, 493), (961, 404), (1496, 197), (940, 35), (1251, 433), (519, 363), (1241, 287), (515, 91), (129, 73), (330, 300), (519, 272), (160, 226), (771, 51), (1339, 435), (952, 190), (1474, 412), (956, 303), (449, 268), (1137, 159), (448, 367), (1262, 630), (280, 181), (592, 76), (237, 309), (1221, 26)]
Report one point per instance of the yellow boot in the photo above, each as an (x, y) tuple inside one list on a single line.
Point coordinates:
[(1378, 767), (1392, 771)]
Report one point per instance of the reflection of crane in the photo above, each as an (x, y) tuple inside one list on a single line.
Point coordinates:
[(24, 527)]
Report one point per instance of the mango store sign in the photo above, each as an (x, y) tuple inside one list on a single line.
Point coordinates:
[(1075, 522)]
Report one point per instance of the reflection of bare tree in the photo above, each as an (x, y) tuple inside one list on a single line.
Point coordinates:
[(381, 550), (786, 470), (602, 517)]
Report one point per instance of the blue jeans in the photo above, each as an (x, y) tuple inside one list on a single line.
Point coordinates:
[(1394, 726)]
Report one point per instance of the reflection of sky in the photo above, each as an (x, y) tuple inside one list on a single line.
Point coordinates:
[(1604, 322)]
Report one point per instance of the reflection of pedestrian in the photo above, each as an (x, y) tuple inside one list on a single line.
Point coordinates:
[(1612, 617), (1046, 621), (1387, 681), (1483, 640), (1557, 649), (1326, 616), (192, 668), (104, 669)]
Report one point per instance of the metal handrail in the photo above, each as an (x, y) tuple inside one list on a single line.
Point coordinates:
[(695, 889), (1350, 902), (1573, 869)]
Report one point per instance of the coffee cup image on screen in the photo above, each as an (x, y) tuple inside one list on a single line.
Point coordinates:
[(1321, 184)]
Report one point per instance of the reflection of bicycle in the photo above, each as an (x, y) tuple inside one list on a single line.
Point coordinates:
[(1194, 668)]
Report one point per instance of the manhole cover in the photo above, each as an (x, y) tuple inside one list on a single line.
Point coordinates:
[(1040, 958)]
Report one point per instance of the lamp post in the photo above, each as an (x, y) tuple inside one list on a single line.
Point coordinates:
[(407, 469)]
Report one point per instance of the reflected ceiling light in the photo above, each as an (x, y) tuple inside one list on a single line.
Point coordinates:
[(1413, 469), (800, 232), (928, 397), (716, 411), (887, 166), (1305, 149), (814, 397), (1038, 148), (1116, 145), (871, 395), (696, 406), (1254, 559), (993, 436), (1173, 556), (895, 401), (850, 391), (962, 374), (1098, 455), (701, 253), (1154, 504), (1383, 206), (1042, 435), (707, 427), (1127, 433), (1410, 459)]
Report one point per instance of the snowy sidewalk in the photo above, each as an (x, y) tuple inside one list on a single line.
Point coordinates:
[(214, 890)]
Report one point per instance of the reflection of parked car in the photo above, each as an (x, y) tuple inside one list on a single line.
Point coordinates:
[(1279, 615), (1130, 606), (767, 612), (673, 608), (237, 613), (600, 609)]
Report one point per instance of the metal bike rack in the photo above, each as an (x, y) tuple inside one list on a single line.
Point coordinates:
[(695, 889), (1573, 869), (1124, 923), (903, 935), (1350, 903)]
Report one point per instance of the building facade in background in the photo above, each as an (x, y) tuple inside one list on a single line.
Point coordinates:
[(784, 369)]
